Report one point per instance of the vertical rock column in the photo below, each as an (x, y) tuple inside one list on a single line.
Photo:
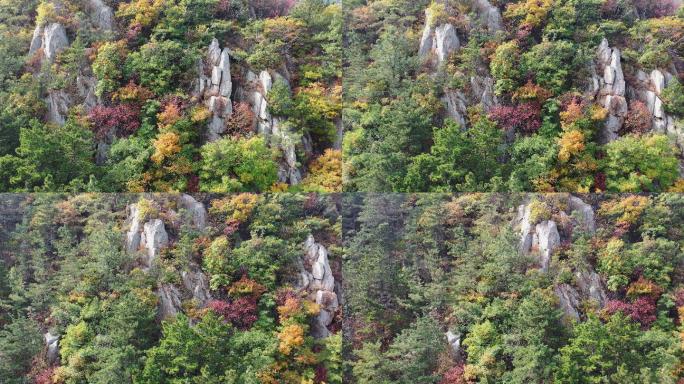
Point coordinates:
[(611, 90), (316, 279), (216, 89)]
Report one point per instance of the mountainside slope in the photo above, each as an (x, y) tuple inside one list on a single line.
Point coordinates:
[(527, 95)]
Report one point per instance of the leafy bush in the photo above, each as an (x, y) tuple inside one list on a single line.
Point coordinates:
[(236, 165), (635, 164)]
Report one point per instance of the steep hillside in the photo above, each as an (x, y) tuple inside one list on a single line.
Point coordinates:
[(527, 95), (513, 288), (170, 95), (243, 288)]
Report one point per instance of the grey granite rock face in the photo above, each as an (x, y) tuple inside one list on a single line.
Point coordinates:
[(101, 15), (316, 279), (217, 88), (612, 87)]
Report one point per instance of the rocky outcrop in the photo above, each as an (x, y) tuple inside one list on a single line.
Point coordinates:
[(195, 209), (169, 301), (568, 300), (591, 286), (153, 239), (610, 90), (317, 281), (58, 103), (272, 127), (454, 341), (197, 283), (546, 239), (489, 15), (215, 87), (648, 89), (541, 238), (438, 40), (583, 212), (456, 105), (133, 233), (51, 348), (151, 236), (51, 38), (101, 15)]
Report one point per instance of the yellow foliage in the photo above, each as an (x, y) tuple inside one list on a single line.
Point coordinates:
[(539, 212), (325, 172), (166, 145), (291, 307), (169, 116), (533, 12), (142, 12), (200, 114), (571, 143), (627, 210), (236, 207), (45, 13), (290, 337)]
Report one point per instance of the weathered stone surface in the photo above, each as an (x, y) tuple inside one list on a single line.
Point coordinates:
[(591, 286), (547, 239), (52, 348), (101, 14), (569, 301), (54, 40), (153, 239), (196, 210), (426, 38), (446, 41), (456, 106), (612, 89), (454, 341), (217, 89), (489, 15), (584, 212), (197, 284), (58, 103), (320, 283), (133, 234), (169, 301)]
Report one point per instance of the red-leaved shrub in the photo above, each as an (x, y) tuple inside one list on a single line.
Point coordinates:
[(122, 119), (524, 117), (241, 312), (454, 375), (641, 310), (638, 119)]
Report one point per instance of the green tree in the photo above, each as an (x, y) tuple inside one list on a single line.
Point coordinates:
[(20, 342), (237, 164), (641, 164)]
